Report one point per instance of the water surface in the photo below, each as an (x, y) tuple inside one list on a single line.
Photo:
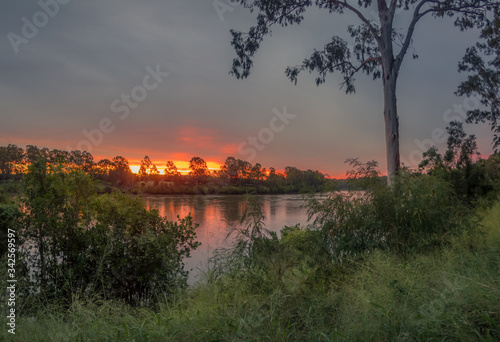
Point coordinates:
[(218, 215)]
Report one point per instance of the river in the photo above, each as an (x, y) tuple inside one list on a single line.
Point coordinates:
[(218, 215)]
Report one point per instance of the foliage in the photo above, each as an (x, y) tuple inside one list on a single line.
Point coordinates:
[(248, 240), (11, 159), (419, 212), (137, 253), (108, 245), (147, 168), (55, 206), (9, 219), (362, 175), (472, 178), (171, 169), (259, 258), (116, 171), (14, 163), (483, 80), (396, 284), (405, 262), (370, 37), (198, 167)]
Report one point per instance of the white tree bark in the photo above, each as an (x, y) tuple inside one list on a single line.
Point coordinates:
[(391, 127), (390, 70)]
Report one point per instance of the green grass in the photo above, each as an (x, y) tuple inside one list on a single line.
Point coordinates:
[(450, 294)]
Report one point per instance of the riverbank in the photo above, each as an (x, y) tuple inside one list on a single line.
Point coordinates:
[(450, 293), (14, 188), (169, 188)]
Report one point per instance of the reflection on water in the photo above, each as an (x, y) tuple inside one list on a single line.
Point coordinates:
[(217, 215)]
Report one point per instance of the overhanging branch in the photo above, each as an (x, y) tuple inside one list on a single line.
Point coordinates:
[(360, 16), (468, 8), (411, 28)]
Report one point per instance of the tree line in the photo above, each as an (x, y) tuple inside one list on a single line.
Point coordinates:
[(234, 176)]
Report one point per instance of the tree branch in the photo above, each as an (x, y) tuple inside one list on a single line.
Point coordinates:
[(416, 17), (466, 8), (382, 5), (376, 59), (360, 16), (393, 5), (354, 71)]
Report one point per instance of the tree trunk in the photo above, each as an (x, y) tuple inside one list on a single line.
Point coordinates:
[(390, 68), (391, 126)]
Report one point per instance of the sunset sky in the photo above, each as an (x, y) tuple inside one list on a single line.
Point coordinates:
[(73, 84)]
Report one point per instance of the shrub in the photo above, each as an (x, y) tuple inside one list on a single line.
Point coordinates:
[(108, 245), (136, 253), (416, 213)]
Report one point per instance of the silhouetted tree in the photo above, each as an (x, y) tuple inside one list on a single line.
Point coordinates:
[(230, 170), (121, 172), (32, 154), (484, 78), (146, 164), (83, 160), (171, 169), (198, 168), (11, 160), (257, 173), (103, 169), (153, 171)]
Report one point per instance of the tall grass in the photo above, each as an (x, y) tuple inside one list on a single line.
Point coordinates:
[(418, 213)]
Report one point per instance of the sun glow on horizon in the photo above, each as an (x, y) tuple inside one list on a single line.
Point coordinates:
[(182, 166)]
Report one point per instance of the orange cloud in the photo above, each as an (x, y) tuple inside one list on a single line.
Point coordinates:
[(229, 149), (200, 137), (180, 156)]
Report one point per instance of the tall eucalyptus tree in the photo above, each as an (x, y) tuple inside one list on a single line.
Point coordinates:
[(379, 48)]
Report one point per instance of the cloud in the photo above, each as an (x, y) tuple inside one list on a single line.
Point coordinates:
[(196, 136), (229, 149)]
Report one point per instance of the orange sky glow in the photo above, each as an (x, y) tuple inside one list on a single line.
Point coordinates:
[(182, 166)]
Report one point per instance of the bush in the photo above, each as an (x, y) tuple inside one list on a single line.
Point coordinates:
[(136, 253), (107, 245), (415, 214)]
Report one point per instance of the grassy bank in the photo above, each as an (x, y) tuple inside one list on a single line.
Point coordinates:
[(452, 293)]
